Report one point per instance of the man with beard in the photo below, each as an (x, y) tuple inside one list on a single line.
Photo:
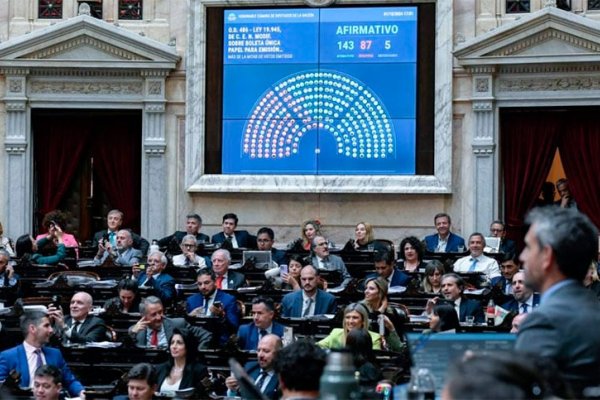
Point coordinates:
[(310, 300), (524, 300)]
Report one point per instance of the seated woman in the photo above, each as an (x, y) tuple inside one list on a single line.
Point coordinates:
[(6, 243), (128, 299), (376, 303), (356, 317), (444, 319), (291, 280), (591, 280), (182, 370), (411, 250), (432, 281), (58, 218), (30, 250), (310, 229), (360, 344), (363, 237)]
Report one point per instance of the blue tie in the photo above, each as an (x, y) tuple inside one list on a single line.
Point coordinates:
[(473, 265), (524, 308)]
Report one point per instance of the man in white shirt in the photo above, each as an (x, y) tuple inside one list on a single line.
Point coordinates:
[(188, 257), (477, 261)]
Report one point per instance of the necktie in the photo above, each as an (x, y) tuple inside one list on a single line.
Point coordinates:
[(524, 308), (261, 380), (473, 265), (220, 282), (38, 361), (263, 333), (75, 327), (154, 338), (306, 311), (149, 282), (112, 238), (206, 300)]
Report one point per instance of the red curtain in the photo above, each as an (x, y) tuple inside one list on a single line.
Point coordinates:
[(59, 145), (529, 142), (580, 153)]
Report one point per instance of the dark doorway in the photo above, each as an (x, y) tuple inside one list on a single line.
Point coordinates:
[(87, 162)]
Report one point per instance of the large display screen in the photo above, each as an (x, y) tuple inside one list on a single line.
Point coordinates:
[(320, 91)]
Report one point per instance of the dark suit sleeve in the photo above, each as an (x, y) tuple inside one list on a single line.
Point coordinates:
[(164, 242), (232, 317), (95, 331), (140, 243), (332, 305), (286, 307), (96, 238), (165, 288), (242, 336), (203, 336)]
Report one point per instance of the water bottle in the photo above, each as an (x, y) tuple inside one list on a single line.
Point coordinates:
[(490, 313), (421, 385), (338, 381), (153, 247)]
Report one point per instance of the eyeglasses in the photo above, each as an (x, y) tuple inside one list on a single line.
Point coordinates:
[(323, 244), (189, 246)]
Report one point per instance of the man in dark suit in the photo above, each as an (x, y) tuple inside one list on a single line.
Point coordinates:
[(32, 353), (559, 246), (154, 278), (509, 266), (154, 329), (310, 300), (226, 279), (263, 311), (444, 241), (235, 239), (123, 253), (114, 220), (384, 265), (8, 278), (523, 299), (212, 302), (507, 246), (79, 326), (265, 237), (264, 376), (193, 225), (452, 289), (324, 261)]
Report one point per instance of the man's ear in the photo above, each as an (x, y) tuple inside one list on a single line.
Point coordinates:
[(548, 257)]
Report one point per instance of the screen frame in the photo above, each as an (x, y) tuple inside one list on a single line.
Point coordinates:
[(203, 104)]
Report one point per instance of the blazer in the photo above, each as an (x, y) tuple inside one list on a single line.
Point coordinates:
[(177, 237), (192, 376), (93, 329), (454, 242), (243, 238), (138, 242), (291, 304), (232, 315), (278, 256), (235, 280), (272, 389), (16, 359), (334, 263), (163, 286), (562, 329), (399, 278), (335, 340), (248, 335), (507, 246), (473, 308), (127, 257), (513, 304), (204, 337)]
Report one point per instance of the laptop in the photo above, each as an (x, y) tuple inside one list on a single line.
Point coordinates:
[(262, 259)]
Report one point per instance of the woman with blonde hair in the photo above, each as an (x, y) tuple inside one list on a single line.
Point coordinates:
[(310, 229), (6, 243), (376, 303), (364, 236)]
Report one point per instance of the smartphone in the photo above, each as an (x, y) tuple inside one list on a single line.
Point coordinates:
[(283, 269), (218, 304), (142, 266)]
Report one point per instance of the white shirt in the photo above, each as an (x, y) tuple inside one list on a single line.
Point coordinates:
[(179, 261), (32, 360), (485, 264), (166, 387), (529, 303), (442, 243), (457, 307)]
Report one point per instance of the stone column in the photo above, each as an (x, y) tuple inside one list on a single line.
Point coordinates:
[(485, 165), (18, 190), (154, 171)]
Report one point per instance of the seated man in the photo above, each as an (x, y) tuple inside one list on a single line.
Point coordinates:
[(566, 199), (123, 253), (265, 238), (524, 300), (154, 329), (114, 221), (161, 284), (384, 265), (47, 383), (188, 256), (226, 279), (236, 239), (262, 372), (498, 230), (212, 302), (477, 261), (142, 383), (193, 225), (452, 289), (444, 241), (263, 312), (310, 300), (325, 261), (509, 266), (27, 357), (8, 278), (79, 326)]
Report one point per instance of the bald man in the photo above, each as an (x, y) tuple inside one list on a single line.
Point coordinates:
[(79, 326)]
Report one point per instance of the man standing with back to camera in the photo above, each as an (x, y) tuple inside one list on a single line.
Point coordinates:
[(559, 247)]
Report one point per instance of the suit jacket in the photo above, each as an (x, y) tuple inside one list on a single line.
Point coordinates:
[(334, 263), (231, 321), (163, 286), (127, 257), (335, 340), (204, 337), (16, 359), (272, 388), (562, 329), (248, 335), (291, 304), (243, 238), (177, 237), (93, 329), (507, 246), (473, 308), (513, 304), (454, 242), (235, 280), (138, 242), (278, 256), (192, 376), (398, 279)]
